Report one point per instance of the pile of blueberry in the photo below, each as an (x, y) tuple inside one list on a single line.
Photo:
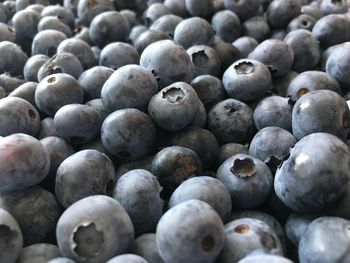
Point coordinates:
[(174, 131)]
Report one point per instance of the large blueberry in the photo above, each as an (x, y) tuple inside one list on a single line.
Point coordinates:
[(174, 107), (138, 192), (196, 230), (18, 116), (130, 86), (94, 229), (11, 238), (207, 189), (321, 111), (161, 57), (128, 134), (313, 178), (248, 180), (231, 121), (23, 162), (325, 240), (246, 80), (85, 173), (77, 123), (36, 212)]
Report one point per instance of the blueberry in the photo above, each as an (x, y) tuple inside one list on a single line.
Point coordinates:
[(177, 7), (10, 83), (244, 9), (82, 174), (148, 37), (12, 58), (271, 145), (246, 80), (47, 128), (200, 8), (159, 58), (206, 189), (11, 237), (127, 258), (7, 33), (130, 86), (266, 218), (109, 27), (24, 162), (87, 9), (136, 31), (246, 235), (194, 31), (231, 121), (18, 116), (325, 240), (256, 27), (39, 253), (334, 7), (264, 258), (37, 223), (297, 224), (193, 138), (55, 23), (138, 192), (312, 9), (197, 231), (46, 42), (92, 80), (209, 90), (25, 91), (60, 260), (226, 25), (204, 60), (245, 45), (63, 62), (94, 229), (118, 54), (305, 47), (32, 66), (25, 24), (80, 49), (280, 12), (77, 123), (126, 166), (337, 64), (146, 247), (325, 55), (128, 134), (130, 15), (299, 179), (321, 111), (174, 107), (280, 116), (230, 149), (248, 180), (175, 164), (58, 10), (303, 21), (276, 55), (153, 12), (57, 90), (166, 24), (83, 33), (3, 92), (309, 81), (58, 150), (332, 29)]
